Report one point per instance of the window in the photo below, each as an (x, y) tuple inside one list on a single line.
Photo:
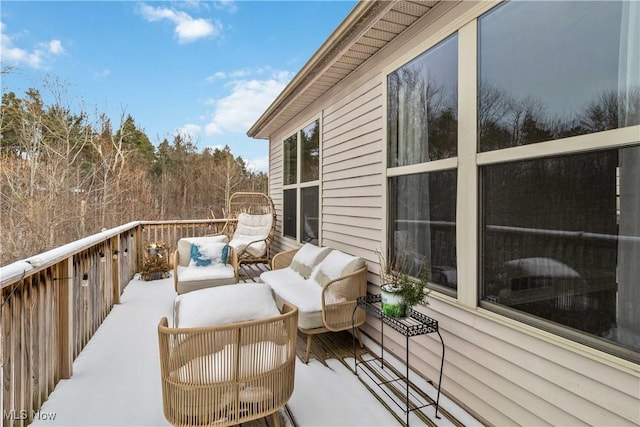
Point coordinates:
[(553, 245), (290, 153), (301, 195), (571, 70), (423, 107), (423, 219), (422, 129), (560, 233)]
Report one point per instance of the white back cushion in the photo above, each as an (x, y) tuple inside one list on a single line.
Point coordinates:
[(184, 246), (254, 225), (307, 257), (249, 229), (335, 264)]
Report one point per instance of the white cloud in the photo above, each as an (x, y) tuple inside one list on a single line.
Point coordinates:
[(187, 28), (259, 164), (227, 5), (237, 111), (102, 74), (55, 47), (191, 130), (220, 75), (34, 58)]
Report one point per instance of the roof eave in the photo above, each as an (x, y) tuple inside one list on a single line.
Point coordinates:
[(332, 47)]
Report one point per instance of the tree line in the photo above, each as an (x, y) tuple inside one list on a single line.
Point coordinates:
[(68, 174)]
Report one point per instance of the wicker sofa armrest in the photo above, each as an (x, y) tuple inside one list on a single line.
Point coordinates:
[(339, 299), (283, 259)]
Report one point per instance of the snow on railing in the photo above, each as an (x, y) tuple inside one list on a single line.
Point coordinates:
[(52, 304)]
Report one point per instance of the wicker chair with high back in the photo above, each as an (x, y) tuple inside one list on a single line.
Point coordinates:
[(251, 226), (228, 374)]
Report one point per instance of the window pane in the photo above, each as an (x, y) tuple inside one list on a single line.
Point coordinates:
[(561, 241), (310, 140), (289, 222), (423, 107), (550, 70), (290, 153), (422, 222), (309, 214)]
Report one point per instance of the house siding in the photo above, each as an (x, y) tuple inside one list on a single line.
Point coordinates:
[(352, 171), (501, 370)]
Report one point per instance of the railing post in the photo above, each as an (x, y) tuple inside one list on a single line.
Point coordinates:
[(139, 248), (115, 269), (65, 316)]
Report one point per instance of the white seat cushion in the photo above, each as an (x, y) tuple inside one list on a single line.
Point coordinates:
[(224, 304), (283, 275), (305, 295), (209, 272), (289, 286)]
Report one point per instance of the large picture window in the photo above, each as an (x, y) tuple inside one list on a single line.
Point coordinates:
[(422, 129), (561, 241), (572, 69), (301, 172), (560, 232)]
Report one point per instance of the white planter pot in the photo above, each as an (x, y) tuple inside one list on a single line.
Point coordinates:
[(392, 303)]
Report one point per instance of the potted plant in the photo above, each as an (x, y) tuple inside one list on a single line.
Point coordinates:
[(399, 289), (156, 264)]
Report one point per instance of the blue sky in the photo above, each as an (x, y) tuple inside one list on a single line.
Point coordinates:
[(205, 68)]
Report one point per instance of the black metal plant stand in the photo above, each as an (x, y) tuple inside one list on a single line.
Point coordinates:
[(412, 325)]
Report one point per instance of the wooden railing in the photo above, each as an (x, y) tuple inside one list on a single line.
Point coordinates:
[(53, 303)]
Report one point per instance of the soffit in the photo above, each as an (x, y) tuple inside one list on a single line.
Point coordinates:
[(366, 30)]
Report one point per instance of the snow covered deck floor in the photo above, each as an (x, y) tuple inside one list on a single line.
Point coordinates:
[(116, 378)]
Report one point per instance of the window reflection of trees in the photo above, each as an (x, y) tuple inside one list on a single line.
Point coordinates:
[(505, 120), (310, 138), (290, 153), (423, 111)]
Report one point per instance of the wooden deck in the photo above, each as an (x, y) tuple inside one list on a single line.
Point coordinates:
[(122, 361), (339, 346)]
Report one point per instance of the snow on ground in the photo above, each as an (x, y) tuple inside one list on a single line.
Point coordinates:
[(116, 378)]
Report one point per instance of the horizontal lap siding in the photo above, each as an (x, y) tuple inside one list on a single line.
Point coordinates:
[(510, 377), (351, 171), (503, 371), (275, 191)]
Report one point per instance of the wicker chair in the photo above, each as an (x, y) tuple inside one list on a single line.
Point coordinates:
[(228, 374), (190, 278), (250, 213)]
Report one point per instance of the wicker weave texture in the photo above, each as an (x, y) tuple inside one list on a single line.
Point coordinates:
[(340, 310), (252, 204), (228, 374)]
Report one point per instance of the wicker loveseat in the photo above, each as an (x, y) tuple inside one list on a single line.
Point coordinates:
[(324, 284), (230, 373)]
